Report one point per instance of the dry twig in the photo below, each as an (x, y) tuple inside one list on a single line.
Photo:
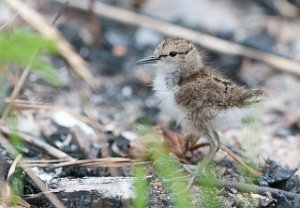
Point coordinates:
[(39, 143), (246, 188), (28, 104), (16, 90), (94, 25), (59, 13), (231, 154), (101, 162), (239, 161), (52, 198), (205, 40), (4, 25)]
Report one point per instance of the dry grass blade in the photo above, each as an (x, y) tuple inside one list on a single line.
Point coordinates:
[(79, 66), (26, 104), (45, 161), (14, 165), (15, 199), (207, 41), (16, 90), (101, 162)]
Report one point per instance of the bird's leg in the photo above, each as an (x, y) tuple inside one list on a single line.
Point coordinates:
[(214, 141)]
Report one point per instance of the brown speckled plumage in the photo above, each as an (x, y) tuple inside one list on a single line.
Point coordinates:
[(197, 96), (199, 90)]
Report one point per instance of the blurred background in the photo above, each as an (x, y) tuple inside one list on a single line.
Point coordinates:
[(255, 43)]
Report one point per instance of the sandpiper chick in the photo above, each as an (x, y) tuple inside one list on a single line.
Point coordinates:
[(194, 94)]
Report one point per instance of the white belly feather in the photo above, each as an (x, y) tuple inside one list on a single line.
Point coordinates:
[(228, 118), (166, 97)]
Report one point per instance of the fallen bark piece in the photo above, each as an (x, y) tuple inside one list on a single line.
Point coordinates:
[(108, 187), (123, 187)]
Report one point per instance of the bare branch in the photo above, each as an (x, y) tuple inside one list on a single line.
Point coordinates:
[(39, 143), (205, 40)]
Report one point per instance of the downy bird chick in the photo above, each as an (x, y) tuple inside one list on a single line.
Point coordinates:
[(194, 94)]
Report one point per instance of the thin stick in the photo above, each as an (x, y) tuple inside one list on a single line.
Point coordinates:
[(205, 40), (101, 162), (45, 161), (39, 143), (59, 13), (239, 161), (52, 198), (33, 104), (79, 66), (4, 25), (94, 25), (17, 89), (232, 155), (246, 188)]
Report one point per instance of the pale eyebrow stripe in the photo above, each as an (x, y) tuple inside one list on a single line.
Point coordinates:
[(186, 52)]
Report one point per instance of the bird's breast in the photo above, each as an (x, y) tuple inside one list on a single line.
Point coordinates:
[(166, 97)]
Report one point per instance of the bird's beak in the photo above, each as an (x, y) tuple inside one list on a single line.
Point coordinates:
[(148, 60)]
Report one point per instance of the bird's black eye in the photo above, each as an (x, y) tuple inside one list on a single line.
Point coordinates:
[(173, 53)]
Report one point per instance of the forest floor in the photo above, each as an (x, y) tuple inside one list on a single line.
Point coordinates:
[(106, 122)]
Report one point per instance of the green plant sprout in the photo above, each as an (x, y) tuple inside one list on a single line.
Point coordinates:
[(20, 48), (166, 167), (141, 186), (17, 48)]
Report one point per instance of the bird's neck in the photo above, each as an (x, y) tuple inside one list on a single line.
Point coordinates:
[(184, 74), (176, 75), (190, 67), (172, 79)]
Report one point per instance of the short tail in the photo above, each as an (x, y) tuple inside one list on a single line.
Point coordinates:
[(252, 97)]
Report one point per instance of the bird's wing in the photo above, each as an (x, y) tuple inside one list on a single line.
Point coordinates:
[(209, 92)]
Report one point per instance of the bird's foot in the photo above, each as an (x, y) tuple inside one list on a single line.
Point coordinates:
[(175, 179), (195, 172)]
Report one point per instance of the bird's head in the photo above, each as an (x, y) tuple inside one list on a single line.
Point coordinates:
[(175, 53)]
